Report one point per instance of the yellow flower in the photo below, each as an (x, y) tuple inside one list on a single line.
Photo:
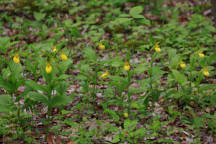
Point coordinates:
[(16, 58), (201, 54), (63, 57), (101, 46), (104, 75), (157, 48), (54, 48), (206, 72), (125, 115), (126, 66), (48, 68), (182, 64)]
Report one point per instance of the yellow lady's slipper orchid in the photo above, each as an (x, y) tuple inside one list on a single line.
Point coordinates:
[(201, 54), (182, 64), (157, 48), (104, 75), (54, 48), (126, 66), (206, 72), (48, 68), (63, 57), (101, 46), (16, 58), (125, 115)]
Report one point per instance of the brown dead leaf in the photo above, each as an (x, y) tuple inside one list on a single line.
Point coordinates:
[(58, 139), (50, 139), (70, 142)]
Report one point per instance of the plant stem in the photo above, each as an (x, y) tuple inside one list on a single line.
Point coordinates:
[(129, 95)]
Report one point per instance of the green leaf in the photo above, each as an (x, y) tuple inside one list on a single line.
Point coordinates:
[(38, 97), (144, 21), (90, 54), (135, 105), (15, 69), (140, 68), (84, 67), (116, 139), (10, 88), (112, 114), (39, 16), (63, 77), (59, 100), (124, 15), (155, 95), (138, 16), (173, 59), (33, 85), (5, 43), (62, 87), (179, 77), (136, 11), (64, 65), (156, 72), (130, 124), (116, 62), (207, 87), (121, 21), (5, 103)]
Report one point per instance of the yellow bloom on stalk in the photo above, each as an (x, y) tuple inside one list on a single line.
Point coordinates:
[(206, 72), (125, 115), (201, 54), (101, 46), (16, 58), (104, 75), (126, 66), (48, 68), (54, 48), (182, 64), (157, 48), (63, 57)]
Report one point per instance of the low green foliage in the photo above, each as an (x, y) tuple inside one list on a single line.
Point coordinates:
[(103, 72)]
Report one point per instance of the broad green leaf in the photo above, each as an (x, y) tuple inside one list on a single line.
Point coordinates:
[(138, 16), (179, 77), (63, 77), (39, 16), (62, 87), (155, 95), (124, 15), (64, 65), (38, 97), (156, 72), (121, 21), (4, 44), (207, 87), (90, 54), (116, 139), (130, 124), (173, 59), (84, 67), (116, 62), (140, 68), (140, 132), (144, 21), (112, 114), (135, 105), (33, 85), (5, 103), (7, 85), (136, 11), (59, 100)]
